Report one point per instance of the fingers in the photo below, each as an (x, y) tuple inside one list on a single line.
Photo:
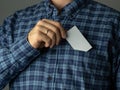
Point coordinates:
[(46, 33), (58, 25), (50, 34), (52, 37), (38, 39), (44, 38), (53, 30)]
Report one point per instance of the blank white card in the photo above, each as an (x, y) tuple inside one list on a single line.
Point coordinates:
[(77, 40)]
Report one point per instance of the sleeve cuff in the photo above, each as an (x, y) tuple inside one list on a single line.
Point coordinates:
[(23, 53)]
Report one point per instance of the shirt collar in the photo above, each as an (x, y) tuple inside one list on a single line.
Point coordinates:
[(70, 8)]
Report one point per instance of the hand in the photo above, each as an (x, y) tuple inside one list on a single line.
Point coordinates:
[(46, 33)]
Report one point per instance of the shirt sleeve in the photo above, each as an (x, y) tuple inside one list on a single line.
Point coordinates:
[(14, 56), (116, 54)]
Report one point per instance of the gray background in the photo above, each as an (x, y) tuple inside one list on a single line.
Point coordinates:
[(8, 7)]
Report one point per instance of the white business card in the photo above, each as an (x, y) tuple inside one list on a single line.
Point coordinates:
[(77, 40)]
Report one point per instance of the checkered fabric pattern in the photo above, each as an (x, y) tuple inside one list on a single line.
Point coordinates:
[(61, 67)]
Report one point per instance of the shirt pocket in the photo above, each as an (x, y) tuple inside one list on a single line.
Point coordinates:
[(96, 64)]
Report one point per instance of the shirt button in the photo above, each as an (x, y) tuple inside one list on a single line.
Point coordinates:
[(49, 78)]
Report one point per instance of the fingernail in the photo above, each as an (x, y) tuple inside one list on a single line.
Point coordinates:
[(64, 36), (57, 43), (51, 46)]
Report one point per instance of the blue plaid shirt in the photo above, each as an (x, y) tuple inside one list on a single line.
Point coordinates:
[(62, 68)]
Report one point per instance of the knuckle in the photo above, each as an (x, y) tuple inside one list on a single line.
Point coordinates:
[(41, 22), (38, 23), (40, 34), (43, 19), (48, 41), (53, 35), (56, 30), (37, 27), (58, 24)]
